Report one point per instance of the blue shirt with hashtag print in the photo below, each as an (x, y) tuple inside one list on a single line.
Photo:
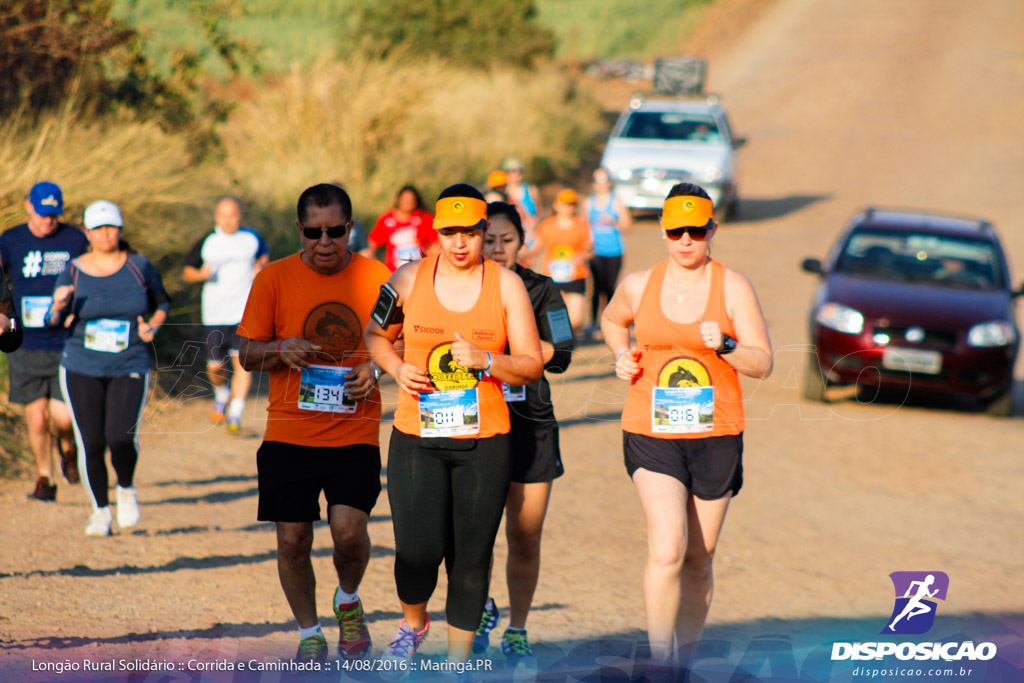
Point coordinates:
[(32, 265)]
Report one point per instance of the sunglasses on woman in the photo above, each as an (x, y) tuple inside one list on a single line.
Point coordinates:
[(334, 232), (696, 234)]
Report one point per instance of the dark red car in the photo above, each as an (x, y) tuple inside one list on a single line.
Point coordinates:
[(916, 302)]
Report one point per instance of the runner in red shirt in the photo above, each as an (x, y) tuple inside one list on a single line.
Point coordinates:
[(406, 231)]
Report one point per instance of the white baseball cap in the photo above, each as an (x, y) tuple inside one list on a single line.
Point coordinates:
[(102, 213)]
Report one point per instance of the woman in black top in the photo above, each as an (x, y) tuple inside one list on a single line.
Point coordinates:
[(536, 460)]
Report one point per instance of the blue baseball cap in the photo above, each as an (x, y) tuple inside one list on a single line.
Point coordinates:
[(46, 199)]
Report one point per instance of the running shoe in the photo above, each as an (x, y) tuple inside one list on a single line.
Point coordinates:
[(516, 648), (100, 522), (44, 491), (127, 507), (354, 641), (217, 414), (69, 465), (488, 620), (312, 649), (405, 643), (234, 425)]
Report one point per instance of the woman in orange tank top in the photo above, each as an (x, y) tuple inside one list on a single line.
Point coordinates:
[(448, 462), (697, 325)]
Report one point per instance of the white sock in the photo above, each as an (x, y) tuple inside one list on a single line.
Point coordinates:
[(311, 631), (343, 598), (222, 394), (236, 408)]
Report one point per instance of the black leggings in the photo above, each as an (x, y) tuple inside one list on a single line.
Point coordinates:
[(105, 412), (605, 271), (446, 505)]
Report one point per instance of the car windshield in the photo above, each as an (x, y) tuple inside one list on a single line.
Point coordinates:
[(922, 258), (646, 125)]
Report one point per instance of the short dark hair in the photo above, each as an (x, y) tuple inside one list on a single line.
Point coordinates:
[(324, 195), (508, 211), (231, 198), (460, 190), (415, 193), (688, 190)]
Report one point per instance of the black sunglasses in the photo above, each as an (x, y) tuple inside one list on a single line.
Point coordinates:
[(334, 232), (696, 234)]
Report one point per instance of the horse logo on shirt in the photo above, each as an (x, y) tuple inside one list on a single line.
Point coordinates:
[(335, 327), (684, 372), (445, 372)]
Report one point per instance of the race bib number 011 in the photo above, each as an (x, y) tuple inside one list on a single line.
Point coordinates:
[(108, 336), (322, 389), (682, 410), (455, 412)]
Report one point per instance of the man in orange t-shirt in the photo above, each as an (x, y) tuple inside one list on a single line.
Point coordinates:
[(303, 324)]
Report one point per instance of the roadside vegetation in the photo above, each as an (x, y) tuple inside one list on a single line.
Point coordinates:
[(161, 106)]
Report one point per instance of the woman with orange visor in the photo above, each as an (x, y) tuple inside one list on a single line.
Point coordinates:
[(698, 325)]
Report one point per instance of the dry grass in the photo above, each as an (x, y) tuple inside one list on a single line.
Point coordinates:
[(376, 125)]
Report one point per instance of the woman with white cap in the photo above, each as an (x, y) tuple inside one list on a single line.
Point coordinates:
[(698, 325), (103, 297)]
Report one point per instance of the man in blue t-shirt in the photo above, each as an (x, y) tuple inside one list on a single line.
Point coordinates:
[(226, 260), (33, 254)]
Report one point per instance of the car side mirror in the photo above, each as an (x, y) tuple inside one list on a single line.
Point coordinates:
[(813, 266), (738, 142)]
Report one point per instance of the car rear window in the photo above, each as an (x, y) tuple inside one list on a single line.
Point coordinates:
[(645, 125), (924, 258)]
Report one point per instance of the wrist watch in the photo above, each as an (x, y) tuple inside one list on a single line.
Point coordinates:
[(728, 345), (376, 372)]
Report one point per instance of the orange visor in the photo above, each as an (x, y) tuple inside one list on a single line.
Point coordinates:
[(689, 212), (460, 212)]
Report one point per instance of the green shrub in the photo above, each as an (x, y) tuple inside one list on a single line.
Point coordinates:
[(466, 32)]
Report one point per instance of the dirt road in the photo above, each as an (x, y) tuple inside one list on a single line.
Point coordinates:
[(918, 103)]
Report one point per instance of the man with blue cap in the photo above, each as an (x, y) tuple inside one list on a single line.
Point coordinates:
[(33, 254)]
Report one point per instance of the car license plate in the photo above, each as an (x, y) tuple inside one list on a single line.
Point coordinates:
[(912, 360)]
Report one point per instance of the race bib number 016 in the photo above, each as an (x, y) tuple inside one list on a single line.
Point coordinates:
[(322, 389), (108, 336), (682, 410), (449, 413)]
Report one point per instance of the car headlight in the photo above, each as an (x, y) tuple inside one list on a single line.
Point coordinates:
[(840, 318), (624, 174), (992, 333), (712, 173)]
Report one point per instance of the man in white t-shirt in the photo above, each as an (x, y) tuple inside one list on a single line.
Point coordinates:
[(226, 260)]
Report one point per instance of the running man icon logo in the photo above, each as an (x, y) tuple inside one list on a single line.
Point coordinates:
[(917, 594)]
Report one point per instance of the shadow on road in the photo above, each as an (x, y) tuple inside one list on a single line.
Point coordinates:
[(753, 210)]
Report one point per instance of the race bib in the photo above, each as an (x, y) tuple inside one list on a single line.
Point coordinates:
[(682, 410), (108, 336), (34, 310), (407, 254), (561, 270), (322, 389), (513, 394), (449, 413)]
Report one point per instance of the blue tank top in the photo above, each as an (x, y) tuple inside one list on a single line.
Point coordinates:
[(607, 238)]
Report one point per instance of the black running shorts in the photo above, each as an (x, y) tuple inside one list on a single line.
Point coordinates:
[(291, 478), (535, 454), (221, 341), (709, 467), (34, 375)]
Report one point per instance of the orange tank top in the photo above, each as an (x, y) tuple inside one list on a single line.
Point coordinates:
[(465, 403), (683, 390)]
